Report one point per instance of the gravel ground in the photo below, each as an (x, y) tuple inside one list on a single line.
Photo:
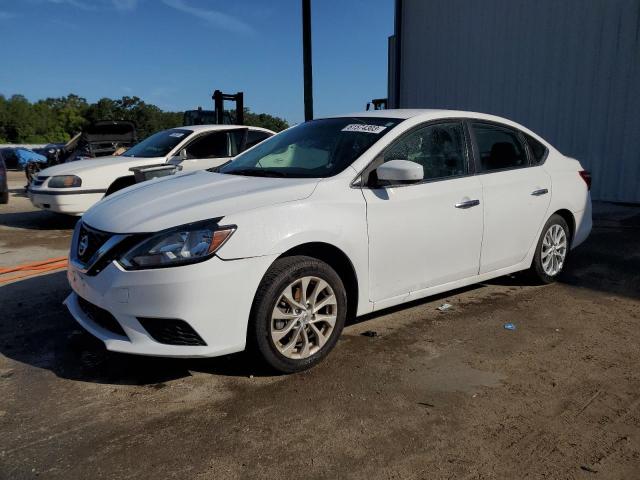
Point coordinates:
[(432, 396)]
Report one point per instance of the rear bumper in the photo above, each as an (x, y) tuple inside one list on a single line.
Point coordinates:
[(584, 224), (70, 203)]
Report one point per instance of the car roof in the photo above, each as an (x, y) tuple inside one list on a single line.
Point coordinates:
[(213, 128), (424, 115)]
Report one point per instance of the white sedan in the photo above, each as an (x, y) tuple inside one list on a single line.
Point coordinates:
[(73, 187), (333, 218)]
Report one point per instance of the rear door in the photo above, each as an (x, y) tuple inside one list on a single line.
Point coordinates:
[(516, 194), (425, 234)]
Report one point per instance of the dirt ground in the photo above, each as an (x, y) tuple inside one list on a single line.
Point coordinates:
[(433, 396)]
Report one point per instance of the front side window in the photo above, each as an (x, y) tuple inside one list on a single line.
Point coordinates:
[(316, 149), (499, 147), (209, 145), (439, 149), (159, 144)]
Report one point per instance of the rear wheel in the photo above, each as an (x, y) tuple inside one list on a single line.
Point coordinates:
[(298, 313), (552, 250)]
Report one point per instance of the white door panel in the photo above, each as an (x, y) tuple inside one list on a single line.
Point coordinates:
[(515, 206), (421, 236)]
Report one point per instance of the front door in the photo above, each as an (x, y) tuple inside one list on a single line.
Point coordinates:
[(429, 233)]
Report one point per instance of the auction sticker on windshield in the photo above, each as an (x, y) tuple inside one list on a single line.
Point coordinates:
[(358, 127), (177, 135)]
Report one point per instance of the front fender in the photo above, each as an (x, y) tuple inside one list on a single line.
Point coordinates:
[(274, 230)]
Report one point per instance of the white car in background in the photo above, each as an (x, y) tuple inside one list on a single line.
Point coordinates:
[(73, 187), (333, 218)]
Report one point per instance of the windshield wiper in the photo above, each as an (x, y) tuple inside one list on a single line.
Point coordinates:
[(256, 172)]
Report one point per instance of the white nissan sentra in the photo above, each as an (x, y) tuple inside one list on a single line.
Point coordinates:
[(332, 218)]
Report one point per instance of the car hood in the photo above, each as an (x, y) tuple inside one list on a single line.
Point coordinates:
[(184, 198), (99, 164)]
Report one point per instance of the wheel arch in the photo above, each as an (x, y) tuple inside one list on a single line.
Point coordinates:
[(569, 218), (339, 261)]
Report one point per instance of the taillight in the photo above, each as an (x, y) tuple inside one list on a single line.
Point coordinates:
[(586, 176)]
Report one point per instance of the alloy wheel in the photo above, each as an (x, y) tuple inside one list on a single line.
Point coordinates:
[(303, 318), (554, 250)]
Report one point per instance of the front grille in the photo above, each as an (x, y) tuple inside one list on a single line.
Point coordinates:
[(101, 317), (171, 331), (39, 180), (88, 243)]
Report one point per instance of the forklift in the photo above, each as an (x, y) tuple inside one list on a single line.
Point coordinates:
[(218, 116)]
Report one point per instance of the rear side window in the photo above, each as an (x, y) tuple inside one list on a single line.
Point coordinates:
[(439, 149), (499, 147), (538, 151), (254, 137)]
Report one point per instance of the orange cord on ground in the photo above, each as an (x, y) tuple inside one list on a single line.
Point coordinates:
[(33, 268)]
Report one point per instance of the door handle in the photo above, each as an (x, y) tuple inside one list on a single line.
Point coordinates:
[(540, 191), (468, 204)]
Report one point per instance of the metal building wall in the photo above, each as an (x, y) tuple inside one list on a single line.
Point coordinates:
[(567, 69)]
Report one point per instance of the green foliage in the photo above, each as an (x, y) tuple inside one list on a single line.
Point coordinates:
[(56, 120), (264, 120)]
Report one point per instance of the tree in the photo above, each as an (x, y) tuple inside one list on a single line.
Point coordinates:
[(264, 120), (56, 120)]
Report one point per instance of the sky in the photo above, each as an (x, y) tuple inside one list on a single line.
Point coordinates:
[(174, 53)]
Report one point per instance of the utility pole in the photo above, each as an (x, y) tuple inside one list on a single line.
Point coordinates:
[(306, 60)]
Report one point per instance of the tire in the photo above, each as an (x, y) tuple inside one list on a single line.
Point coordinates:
[(543, 269), (272, 315)]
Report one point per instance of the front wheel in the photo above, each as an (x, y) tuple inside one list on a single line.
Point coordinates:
[(298, 313), (552, 250)]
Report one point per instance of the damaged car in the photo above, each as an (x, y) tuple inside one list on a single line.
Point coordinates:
[(99, 139)]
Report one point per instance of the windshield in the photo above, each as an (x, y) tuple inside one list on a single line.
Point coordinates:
[(159, 144), (315, 149)]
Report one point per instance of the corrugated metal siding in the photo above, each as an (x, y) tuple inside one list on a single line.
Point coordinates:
[(567, 69)]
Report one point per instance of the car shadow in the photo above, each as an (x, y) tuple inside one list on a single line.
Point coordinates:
[(413, 303), (38, 220), (18, 192), (37, 330)]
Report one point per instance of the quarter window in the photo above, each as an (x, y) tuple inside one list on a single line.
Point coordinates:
[(538, 150), (499, 148), (439, 149)]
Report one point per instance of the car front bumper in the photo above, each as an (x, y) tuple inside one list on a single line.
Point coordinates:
[(213, 297), (69, 203)]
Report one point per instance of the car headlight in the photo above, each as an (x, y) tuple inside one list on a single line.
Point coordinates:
[(64, 181), (182, 245)]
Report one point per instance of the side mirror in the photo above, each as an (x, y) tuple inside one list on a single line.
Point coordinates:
[(402, 171), (183, 155)]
